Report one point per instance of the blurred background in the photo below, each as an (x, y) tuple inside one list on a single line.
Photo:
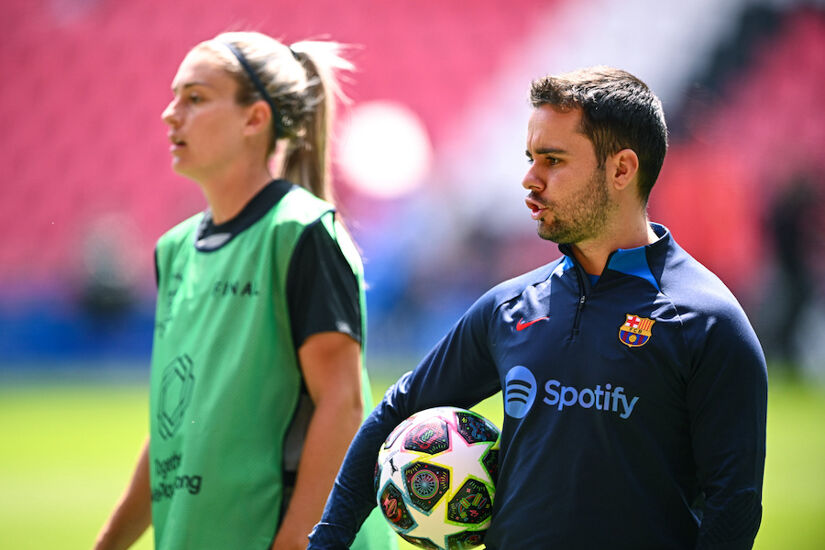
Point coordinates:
[(430, 157)]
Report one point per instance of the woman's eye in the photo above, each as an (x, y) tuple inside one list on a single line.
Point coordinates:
[(194, 98)]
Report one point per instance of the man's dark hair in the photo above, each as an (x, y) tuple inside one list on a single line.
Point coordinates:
[(619, 112)]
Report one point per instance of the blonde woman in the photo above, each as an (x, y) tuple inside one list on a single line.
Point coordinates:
[(257, 379)]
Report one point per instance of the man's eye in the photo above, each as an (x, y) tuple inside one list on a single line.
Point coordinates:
[(529, 160), (552, 161), (194, 98)]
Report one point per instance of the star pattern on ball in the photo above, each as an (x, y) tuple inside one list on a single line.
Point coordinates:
[(436, 480)]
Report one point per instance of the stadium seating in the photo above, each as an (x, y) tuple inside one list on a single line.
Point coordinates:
[(91, 78), (766, 129), (85, 83)]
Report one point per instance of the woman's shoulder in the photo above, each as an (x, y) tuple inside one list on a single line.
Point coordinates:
[(300, 205), (182, 231)]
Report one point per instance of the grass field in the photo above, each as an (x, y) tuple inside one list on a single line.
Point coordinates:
[(67, 450)]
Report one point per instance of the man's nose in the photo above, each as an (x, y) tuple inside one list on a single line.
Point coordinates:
[(532, 181)]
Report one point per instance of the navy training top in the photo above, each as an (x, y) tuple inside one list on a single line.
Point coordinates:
[(634, 416)]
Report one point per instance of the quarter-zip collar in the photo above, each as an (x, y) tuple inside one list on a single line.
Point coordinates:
[(641, 261)]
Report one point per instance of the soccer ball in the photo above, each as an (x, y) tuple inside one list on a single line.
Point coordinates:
[(435, 478)]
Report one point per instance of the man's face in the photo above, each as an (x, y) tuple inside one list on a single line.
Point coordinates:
[(568, 191)]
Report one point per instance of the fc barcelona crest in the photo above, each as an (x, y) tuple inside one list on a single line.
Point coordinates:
[(635, 331)]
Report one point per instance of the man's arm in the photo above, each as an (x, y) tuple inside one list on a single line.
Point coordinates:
[(459, 371), (133, 513), (727, 400)]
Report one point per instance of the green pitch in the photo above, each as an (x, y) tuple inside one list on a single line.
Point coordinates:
[(67, 450)]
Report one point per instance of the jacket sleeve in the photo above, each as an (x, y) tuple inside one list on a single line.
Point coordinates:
[(727, 401), (459, 372)]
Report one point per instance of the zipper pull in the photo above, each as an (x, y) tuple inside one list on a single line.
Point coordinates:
[(577, 320)]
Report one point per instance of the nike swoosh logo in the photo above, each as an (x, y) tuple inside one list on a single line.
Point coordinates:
[(521, 325)]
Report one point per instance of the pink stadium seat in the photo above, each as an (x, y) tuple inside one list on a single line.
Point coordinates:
[(92, 79), (89, 88)]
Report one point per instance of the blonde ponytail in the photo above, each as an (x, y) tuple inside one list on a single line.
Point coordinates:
[(308, 159), (302, 85)]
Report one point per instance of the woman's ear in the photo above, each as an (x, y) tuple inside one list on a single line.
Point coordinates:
[(258, 118)]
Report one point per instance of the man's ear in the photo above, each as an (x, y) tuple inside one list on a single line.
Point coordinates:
[(623, 168), (258, 117)]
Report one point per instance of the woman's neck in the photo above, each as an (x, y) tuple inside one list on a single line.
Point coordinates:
[(228, 195)]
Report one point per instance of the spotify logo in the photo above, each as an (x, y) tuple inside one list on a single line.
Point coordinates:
[(519, 391)]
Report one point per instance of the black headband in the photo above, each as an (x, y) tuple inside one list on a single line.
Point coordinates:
[(276, 115)]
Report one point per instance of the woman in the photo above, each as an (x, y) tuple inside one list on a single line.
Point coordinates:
[(257, 384)]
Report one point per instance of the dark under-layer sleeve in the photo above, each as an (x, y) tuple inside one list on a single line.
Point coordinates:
[(322, 290)]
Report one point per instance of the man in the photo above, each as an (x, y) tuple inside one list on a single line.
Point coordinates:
[(643, 420)]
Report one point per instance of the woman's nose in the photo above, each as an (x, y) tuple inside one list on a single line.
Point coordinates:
[(169, 116)]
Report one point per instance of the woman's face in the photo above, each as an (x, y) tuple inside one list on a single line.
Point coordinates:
[(205, 122)]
